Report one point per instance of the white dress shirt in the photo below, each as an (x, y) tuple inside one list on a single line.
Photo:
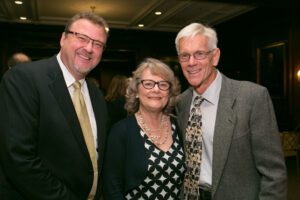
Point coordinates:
[(85, 92), (209, 112)]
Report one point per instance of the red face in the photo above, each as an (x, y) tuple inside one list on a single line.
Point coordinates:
[(80, 54), (200, 73)]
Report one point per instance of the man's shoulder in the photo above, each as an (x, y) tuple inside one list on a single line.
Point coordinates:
[(185, 94), (39, 67), (238, 85), (241, 89)]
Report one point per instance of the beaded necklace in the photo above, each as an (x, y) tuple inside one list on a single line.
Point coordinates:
[(154, 138)]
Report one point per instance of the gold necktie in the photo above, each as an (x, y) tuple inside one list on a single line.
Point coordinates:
[(86, 128)]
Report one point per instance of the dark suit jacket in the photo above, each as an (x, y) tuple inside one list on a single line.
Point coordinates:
[(248, 162), (126, 160), (42, 149)]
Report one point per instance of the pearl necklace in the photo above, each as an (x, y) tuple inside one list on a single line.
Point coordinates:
[(154, 138)]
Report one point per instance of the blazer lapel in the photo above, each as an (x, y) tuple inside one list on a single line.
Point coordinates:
[(224, 126), (63, 98), (184, 110), (99, 113)]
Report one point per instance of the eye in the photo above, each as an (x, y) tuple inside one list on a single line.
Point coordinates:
[(164, 84), (98, 45), (199, 53), (82, 38), (184, 55), (148, 83)]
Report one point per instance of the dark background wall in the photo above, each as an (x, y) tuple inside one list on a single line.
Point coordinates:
[(240, 40)]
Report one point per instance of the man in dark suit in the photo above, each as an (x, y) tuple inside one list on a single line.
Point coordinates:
[(43, 152), (241, 156)]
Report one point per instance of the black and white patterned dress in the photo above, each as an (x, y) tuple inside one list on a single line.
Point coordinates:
[(165, 171)]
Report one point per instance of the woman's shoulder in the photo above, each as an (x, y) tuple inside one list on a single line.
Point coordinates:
[(125, 125)]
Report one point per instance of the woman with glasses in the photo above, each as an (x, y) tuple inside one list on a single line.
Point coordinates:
[(144, 158)]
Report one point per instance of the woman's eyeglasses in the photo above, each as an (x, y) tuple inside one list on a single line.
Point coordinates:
[(149, 84)]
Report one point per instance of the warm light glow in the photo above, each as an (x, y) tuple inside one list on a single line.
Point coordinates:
[(158, 13), (141, 25), (93, 8), (19, 2), (298, 74), (23, 18)]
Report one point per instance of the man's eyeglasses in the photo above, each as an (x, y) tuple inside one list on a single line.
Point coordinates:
[(149, 84), (198, 55), (84, 39)]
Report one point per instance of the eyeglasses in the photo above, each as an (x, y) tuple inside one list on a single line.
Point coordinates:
[(198, 55), (84, 39), (149, 84)]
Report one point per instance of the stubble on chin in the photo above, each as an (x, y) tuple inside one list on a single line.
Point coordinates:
[(83, 71)]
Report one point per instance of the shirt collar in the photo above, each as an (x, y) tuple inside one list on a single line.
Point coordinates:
[(69, 79), (212, 93)]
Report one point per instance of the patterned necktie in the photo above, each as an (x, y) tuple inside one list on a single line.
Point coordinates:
[(83, 117), (193, 143)]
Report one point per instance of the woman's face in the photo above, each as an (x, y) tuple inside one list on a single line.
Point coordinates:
[(155, 99)]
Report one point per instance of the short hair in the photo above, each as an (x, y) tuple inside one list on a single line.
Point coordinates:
[(157, 68), (17, 58), (90, 16), (197, 29)]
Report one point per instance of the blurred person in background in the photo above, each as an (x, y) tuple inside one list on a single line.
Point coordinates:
[(115, 98), (17, 58)]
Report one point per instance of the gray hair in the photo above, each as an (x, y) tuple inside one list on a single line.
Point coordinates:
[(197, 29), (158, 68)]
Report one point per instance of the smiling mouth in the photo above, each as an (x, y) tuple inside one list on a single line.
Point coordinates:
[(154, 97), (84, 57), (193, 71)]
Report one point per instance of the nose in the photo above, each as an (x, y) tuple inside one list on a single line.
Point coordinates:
[(192, 60), (89, 46), (156, 86)]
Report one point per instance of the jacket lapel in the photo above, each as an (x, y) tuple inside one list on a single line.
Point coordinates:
[(60, 91), (183, 110), (99, 113), (224, 127)]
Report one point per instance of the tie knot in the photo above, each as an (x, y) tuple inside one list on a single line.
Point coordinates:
[(76, 85), (198, 100)]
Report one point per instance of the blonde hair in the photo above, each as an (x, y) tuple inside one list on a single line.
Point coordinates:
[(116, 88), (158, 68)]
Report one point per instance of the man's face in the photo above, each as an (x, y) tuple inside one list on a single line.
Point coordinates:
[(198, 62), (80, 54)]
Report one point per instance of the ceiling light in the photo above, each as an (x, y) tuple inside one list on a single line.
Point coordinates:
[(298, 75), (158, 13), (23, 18), (141, 25), (19, 2)]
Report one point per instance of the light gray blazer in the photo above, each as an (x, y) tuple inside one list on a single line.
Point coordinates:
[(248, 163)]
